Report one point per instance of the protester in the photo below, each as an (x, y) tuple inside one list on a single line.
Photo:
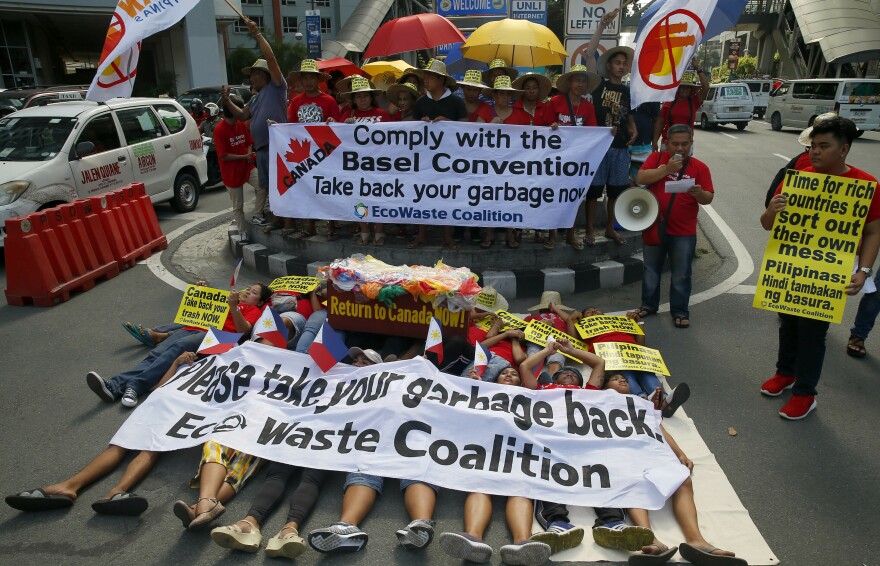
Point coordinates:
[(233, 142), (802, 340), (869, 308), (497, 68), (683, 109), (506, 347), (412, 76), (404, 96), (675, 232), (535, 89), (549, 310), (611, 101), (471, 88), (800, 161)]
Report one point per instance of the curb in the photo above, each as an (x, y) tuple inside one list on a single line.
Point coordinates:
[(512, 284)]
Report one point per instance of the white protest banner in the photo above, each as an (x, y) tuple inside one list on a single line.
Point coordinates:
[(434, 173), (407, 420), (132, 21)]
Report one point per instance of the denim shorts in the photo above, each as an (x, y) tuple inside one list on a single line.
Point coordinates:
[(614, 169), (375, 482)]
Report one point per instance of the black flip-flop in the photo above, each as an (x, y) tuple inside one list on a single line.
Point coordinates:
[(699, 557), (38, 500), (680, 394), (652, 559), (126, 504)]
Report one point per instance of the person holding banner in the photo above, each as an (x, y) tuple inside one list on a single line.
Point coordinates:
[(497, 68), (675, 232), (535, 89), (801, 339), (471, 88)]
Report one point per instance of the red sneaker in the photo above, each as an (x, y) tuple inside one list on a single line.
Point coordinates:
[(774, 386), (798, 407)]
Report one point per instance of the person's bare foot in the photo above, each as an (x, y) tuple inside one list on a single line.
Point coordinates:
[(613, 235), (59, 489), (655, 548)]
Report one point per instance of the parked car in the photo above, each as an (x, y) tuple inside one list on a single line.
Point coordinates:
[(71, 150), (212, 94), (760, 93), (726, 103), (796, 103), (15, 99)]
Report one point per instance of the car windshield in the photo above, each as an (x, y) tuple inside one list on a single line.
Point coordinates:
[(206, 97), (14, 102), (33, 138)]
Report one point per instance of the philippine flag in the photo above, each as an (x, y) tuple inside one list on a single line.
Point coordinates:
[(218, 342), (434, 341), (328, 348), (234, 281), (270, 327), (481, 359)]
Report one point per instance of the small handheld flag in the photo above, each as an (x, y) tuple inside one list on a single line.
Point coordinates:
[(234, 281), (218, 342), (270, 327), (434, 341), (481, 359), (328, 348)]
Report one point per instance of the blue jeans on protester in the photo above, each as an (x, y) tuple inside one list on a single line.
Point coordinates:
[(496, 365), (150, 370), (376, 482), (680, 250), (869, 308), (641, 383), (801, 351), (310, 331)]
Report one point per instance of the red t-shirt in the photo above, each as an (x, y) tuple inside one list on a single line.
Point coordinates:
[(538, 118), (504, 348), (481, 106), (550, 318), (679, 112), (250, 313), (556, 110), (233, 139), (853, 173), (518, 117), (611, 337), (683, 217), (372, 115), (544, 386), (305, 109)]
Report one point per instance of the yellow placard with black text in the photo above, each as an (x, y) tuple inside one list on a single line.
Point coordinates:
[(809, 258), (203, 307), (295, 284), (592, 326), (511, 322), (536, 332), (626, 356)]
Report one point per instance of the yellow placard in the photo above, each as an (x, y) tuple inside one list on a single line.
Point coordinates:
[(486, 300), (626, 356), (603, 324), (809, 257), (536, 332), (511, 322), (203, 307), (296, 284)]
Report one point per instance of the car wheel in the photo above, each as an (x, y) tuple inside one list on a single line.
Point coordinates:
[(186, 193), (704, 122), (776, 122), (741, 125)]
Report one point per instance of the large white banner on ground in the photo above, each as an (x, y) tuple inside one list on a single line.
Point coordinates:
[(407, 420), (448, 173)]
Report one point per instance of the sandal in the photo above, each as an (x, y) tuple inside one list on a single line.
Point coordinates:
[(645, 311), (125, 504), (38, 500), (206, 517), (270, 227), (364, 238), (682, 322), (575, 243), (289, 545), (379, 239), (662, 557), (233, 538), (133, 330), (451, 245), (332, 237), (512, 244), (855, 347), (700, 557), (184, 512), (549, 245), (589, 240), (486, 244)]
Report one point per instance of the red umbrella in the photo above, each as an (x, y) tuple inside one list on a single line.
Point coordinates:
[(410, 33), (340, 64)]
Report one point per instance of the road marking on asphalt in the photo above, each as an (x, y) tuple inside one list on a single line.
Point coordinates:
[(782, 157), (155, 261), (730, 136), (744, 290)]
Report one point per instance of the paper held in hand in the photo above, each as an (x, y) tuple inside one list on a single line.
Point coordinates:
[(203, 307), (296, 284), (537, 332), (681, 186), (626, 356)]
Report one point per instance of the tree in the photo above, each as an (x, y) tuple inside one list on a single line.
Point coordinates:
[(237, 59), (747, 66), (289, 56)]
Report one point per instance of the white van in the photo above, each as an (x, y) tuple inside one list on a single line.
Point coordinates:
[(71, 150), (760, 93), (726, 103), (796, 103)]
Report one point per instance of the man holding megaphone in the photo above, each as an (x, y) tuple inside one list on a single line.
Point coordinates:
[(681, 184)]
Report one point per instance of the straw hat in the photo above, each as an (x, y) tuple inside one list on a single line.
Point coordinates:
[(491, 300), (259, 64), (310, 66), (502, 83), (393, 92), (412, 72), (689, 78), (500, 64), (438, 67), (548, 297), (371, 355), (359, 84), (602, 65), (472, 78), (593, 80), (544, 84), (804, 137)]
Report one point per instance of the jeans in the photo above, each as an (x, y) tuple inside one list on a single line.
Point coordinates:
[(150, 370), (496, 365), (680, 250), (375, 482), (869, 308), (641, 383), (310, 331), (801, 351), (299, 323)]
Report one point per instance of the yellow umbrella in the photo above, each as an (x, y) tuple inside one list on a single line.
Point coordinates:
[(397, 68), (520, 43)]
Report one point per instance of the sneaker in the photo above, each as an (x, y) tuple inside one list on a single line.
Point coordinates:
[(97, 384), (243, 238), (258, 220), (774, 386), (416, 535), (465, 547), (130, 397), (798, 407), (525, 553), (338, 537), (560, 536), (622, 536)]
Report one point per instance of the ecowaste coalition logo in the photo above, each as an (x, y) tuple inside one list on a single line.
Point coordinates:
[(361, 210)]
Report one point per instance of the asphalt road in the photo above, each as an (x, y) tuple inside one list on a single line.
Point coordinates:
[(810, 486)]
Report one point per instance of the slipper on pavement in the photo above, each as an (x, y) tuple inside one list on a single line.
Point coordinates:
[(126, 504), (699, 557), (680, 394), (38, 500), (146, 337), (133, 330), (652, 559)]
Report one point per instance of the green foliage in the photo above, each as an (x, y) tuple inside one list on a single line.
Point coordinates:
[(289, 56), (237, 59), (747, 66)]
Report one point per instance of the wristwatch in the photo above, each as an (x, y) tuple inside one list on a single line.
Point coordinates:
[(866, 270)]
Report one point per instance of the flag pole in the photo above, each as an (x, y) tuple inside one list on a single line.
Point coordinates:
[(235, 9)]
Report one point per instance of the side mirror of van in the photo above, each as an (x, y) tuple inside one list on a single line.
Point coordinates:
[(84, 149)]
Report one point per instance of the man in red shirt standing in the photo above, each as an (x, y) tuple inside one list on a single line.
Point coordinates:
[(232, 140), (676, 226), (802, 340)]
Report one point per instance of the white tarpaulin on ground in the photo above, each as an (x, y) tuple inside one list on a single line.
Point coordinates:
[(448, 173), (407, 420)]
